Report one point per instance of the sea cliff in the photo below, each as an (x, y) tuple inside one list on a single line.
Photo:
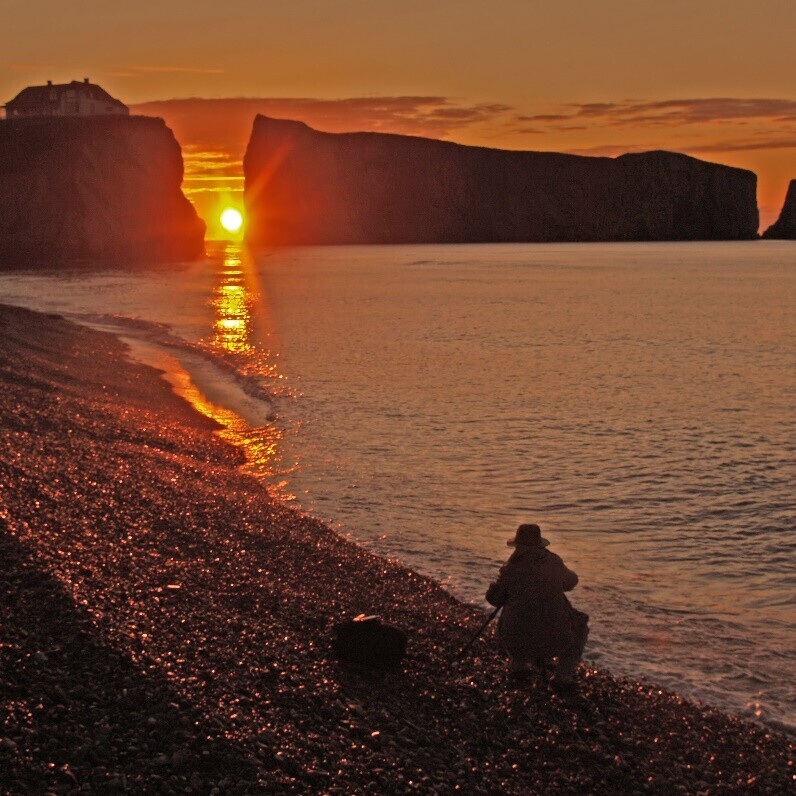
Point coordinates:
[(784, 228), (98, 188), (308, 187)]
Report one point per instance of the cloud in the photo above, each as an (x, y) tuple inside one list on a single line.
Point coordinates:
[(691, 148), (210, 171), (674, 112), (609, 150), (544, 117), (699, 127), (747, 145), (206, 166), (214, 132), (186, 70), (226, 123)]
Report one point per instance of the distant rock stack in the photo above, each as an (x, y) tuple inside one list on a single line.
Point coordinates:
[(103, 188), (784, 228), (307, 187)]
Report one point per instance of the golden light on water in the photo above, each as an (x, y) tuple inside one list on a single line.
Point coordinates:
[(233, 307), (236, 302), (261, 444)]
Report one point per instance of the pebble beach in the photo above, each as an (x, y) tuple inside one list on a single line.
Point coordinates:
[(165, 627)]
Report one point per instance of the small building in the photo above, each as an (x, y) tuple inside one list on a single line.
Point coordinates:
[(64, 99)]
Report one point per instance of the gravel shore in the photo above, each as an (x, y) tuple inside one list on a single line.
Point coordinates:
[(165, 628)]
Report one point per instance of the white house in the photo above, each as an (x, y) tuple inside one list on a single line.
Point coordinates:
[(64, 99)]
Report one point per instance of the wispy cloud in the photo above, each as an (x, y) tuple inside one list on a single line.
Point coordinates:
[(634, 113), (188, 70), (691, 147), (204, 165), (608, 150), (227, 122), (747, 145), (710, 125), (700, 127)]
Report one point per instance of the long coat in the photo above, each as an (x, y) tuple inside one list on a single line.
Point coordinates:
[(537, 619)]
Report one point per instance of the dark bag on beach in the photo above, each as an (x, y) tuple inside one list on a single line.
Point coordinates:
[(365, 641)]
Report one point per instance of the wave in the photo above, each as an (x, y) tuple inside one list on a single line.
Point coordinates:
[(242, 382)]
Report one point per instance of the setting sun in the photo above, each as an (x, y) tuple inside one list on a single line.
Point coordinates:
[(231, 219)]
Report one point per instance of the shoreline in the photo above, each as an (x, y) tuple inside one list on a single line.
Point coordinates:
[(167, 625)]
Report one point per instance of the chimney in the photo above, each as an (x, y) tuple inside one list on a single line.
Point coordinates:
[(49, 82), (85, 80)]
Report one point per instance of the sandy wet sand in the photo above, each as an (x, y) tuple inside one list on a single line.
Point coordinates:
[(166, 628)]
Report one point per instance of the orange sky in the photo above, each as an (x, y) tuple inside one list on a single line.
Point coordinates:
[(712, 79)]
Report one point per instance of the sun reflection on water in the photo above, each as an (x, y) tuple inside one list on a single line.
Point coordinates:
[(232, 303), (236, 304)]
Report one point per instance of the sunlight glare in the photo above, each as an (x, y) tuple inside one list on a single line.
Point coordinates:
[(231, 219)]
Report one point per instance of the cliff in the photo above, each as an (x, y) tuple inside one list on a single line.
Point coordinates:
[(307, 187), (784, 228), (97, 188)]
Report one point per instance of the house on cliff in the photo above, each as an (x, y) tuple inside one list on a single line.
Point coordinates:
[(64, 99)]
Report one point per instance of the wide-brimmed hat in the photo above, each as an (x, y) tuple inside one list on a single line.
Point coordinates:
[(528, 535)]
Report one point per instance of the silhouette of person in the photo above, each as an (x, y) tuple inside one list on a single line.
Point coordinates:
[(538, 623)]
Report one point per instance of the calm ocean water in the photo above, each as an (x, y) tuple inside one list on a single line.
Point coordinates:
[(637, 400)]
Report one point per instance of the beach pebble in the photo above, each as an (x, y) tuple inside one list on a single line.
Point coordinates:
[(177, 622)]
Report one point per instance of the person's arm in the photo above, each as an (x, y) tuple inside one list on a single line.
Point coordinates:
[(497, 593), (570, 579)]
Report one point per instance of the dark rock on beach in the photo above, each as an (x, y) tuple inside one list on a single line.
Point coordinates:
[(308, 187), (784, 228), (94, 188), (166, 627)]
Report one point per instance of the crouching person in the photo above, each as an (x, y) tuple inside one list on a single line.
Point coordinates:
[(537, 623)]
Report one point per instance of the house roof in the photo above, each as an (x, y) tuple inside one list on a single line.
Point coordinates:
[(50, 95)]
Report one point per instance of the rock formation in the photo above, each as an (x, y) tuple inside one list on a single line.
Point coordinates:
[(98, 188), (308, 187), (784, 228)]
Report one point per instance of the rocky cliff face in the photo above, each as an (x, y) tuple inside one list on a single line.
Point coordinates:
[(307, 187), (784, 228), (100, 188)]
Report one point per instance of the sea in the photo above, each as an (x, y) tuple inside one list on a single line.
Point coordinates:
[(635, 400)]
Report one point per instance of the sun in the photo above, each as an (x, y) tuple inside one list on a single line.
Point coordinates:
[(231, 219)]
